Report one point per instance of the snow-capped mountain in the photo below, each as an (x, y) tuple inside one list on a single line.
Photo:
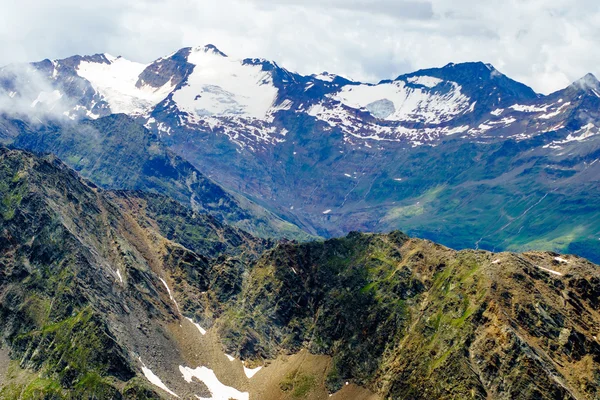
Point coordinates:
[(460, 146), (247, 100)]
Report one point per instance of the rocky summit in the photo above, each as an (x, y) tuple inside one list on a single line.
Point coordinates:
[(130, 294)]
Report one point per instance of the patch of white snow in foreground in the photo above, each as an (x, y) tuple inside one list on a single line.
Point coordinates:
[(218, 391), (170, 295), (496, 261), (202, 331), (251, 372), (230, 358), (560, 259), (155, 380), (551, 271), (119, 275)]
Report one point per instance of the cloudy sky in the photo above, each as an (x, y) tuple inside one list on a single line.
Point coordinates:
[(543, 43)]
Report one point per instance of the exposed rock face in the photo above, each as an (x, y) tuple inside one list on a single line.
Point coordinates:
[(116, 295), (412, 319), (174, 69)]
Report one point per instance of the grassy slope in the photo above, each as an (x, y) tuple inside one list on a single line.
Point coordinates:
[(459, 193)]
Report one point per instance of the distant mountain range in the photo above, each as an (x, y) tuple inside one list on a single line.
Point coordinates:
[(460, 154)]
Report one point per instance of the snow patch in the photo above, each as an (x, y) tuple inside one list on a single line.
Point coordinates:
[(155, 380), (428, 81), (562, 260), (221, 86), (581, 134), (202, 331), (551, 271), (413, 104), (529, 109), (325, 76), (558, 111), (250, 372), (481, 129), (326, 211), (508, 120), (230, 358), (170, 295), (116, 83), (218, 390), (585, 132)]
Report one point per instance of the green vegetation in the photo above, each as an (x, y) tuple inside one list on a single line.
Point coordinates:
[(12, 189), (357, 302), (298, 384)]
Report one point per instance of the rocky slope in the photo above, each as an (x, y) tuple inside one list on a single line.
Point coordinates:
[(131, 295), (460, 154), (412, 319), (85, 299)]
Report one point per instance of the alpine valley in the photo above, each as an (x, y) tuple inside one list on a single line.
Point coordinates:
[(202, 227)]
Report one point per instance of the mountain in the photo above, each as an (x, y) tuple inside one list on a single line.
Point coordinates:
[(83, 282), (460, 154), (99, 298), (115, 152), (417, 320)]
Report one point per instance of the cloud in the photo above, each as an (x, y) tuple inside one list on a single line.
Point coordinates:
[(544, 43), (25, 93)]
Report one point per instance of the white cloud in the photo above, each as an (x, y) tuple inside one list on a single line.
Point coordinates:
[(33, 97), (543, 43)]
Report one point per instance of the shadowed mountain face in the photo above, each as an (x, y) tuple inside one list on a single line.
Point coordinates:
[(460, 154), (132, 295), (115, 152)]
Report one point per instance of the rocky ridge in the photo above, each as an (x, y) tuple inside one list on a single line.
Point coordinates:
[(131, 295)]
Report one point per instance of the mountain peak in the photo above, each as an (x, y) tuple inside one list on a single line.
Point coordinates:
[(477, 66), (465, 73), (586, 83), (110, 57), (325, 76), (212, 49)]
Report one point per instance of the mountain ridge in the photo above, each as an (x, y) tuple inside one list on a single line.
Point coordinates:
[(96, 302), (458, 146)]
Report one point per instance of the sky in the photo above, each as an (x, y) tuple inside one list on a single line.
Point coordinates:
[(545, 44)]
